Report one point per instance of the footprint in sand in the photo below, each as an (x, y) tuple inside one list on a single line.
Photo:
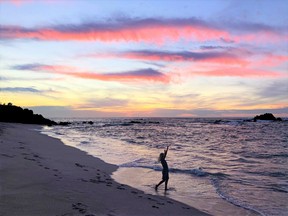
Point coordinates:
[(97, 181), (79, 165), (121, 188), (36, 156), (80, 207), (151, 199), (6, 155), (82, 166), (31, 159), (109, 184)]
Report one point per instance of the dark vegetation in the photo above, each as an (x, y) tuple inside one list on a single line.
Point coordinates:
[(11, 113)]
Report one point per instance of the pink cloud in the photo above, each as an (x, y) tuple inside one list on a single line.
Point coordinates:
[(125, 77), (144, 30), (20, 2), (16, 2), (155, 34), (237, 72), (148, 74), (271, 60), (261, 37), (150, 55)]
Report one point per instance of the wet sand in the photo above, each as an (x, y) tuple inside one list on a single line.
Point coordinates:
[(42, 176)]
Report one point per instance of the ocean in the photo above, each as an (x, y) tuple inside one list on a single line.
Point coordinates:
[(221, 166)]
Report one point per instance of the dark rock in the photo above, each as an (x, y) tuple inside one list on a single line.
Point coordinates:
[(217, 121), (143, 122), (152, 122), (266, 116), (64, 123), (88, 122), (135, 122)]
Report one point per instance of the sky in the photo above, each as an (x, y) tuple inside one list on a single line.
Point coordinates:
[(164, 58)]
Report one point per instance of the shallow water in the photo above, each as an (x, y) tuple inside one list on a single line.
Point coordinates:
[(214, 165)]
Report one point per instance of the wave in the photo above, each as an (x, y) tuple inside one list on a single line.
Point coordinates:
[(282, 188), (272, 155), (215, 178), (266, 156), (145, 163), (270, 174), (130, 123), (232, 122), (226, 197), (196, 172), (198, 141), (243, 160)]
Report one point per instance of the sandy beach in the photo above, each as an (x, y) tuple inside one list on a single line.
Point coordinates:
[(42, 176)]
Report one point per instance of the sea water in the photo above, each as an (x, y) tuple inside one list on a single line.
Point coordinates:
[(220, 166)]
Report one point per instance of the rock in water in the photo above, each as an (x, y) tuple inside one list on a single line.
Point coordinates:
[(267, 116)]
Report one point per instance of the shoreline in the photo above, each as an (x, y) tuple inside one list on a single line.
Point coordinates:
[(43, 176), (202, 194)]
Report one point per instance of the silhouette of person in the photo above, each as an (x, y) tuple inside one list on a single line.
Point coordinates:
[(165, 170)]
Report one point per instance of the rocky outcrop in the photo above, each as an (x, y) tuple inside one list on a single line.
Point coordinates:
[(266, 116), (15, 114)]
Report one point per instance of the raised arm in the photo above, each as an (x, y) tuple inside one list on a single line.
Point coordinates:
[(165, 151)]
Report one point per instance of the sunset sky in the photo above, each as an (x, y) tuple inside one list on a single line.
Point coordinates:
[(86, 58)]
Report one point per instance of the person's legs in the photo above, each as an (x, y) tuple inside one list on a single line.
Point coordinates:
[(166, 184), (156, 187)]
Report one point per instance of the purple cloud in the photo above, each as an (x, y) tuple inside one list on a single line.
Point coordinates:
[(154, 30), (223, 57), (20, 89), (146, 74)]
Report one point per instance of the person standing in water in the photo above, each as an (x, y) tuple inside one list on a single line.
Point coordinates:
[(165, 171)]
